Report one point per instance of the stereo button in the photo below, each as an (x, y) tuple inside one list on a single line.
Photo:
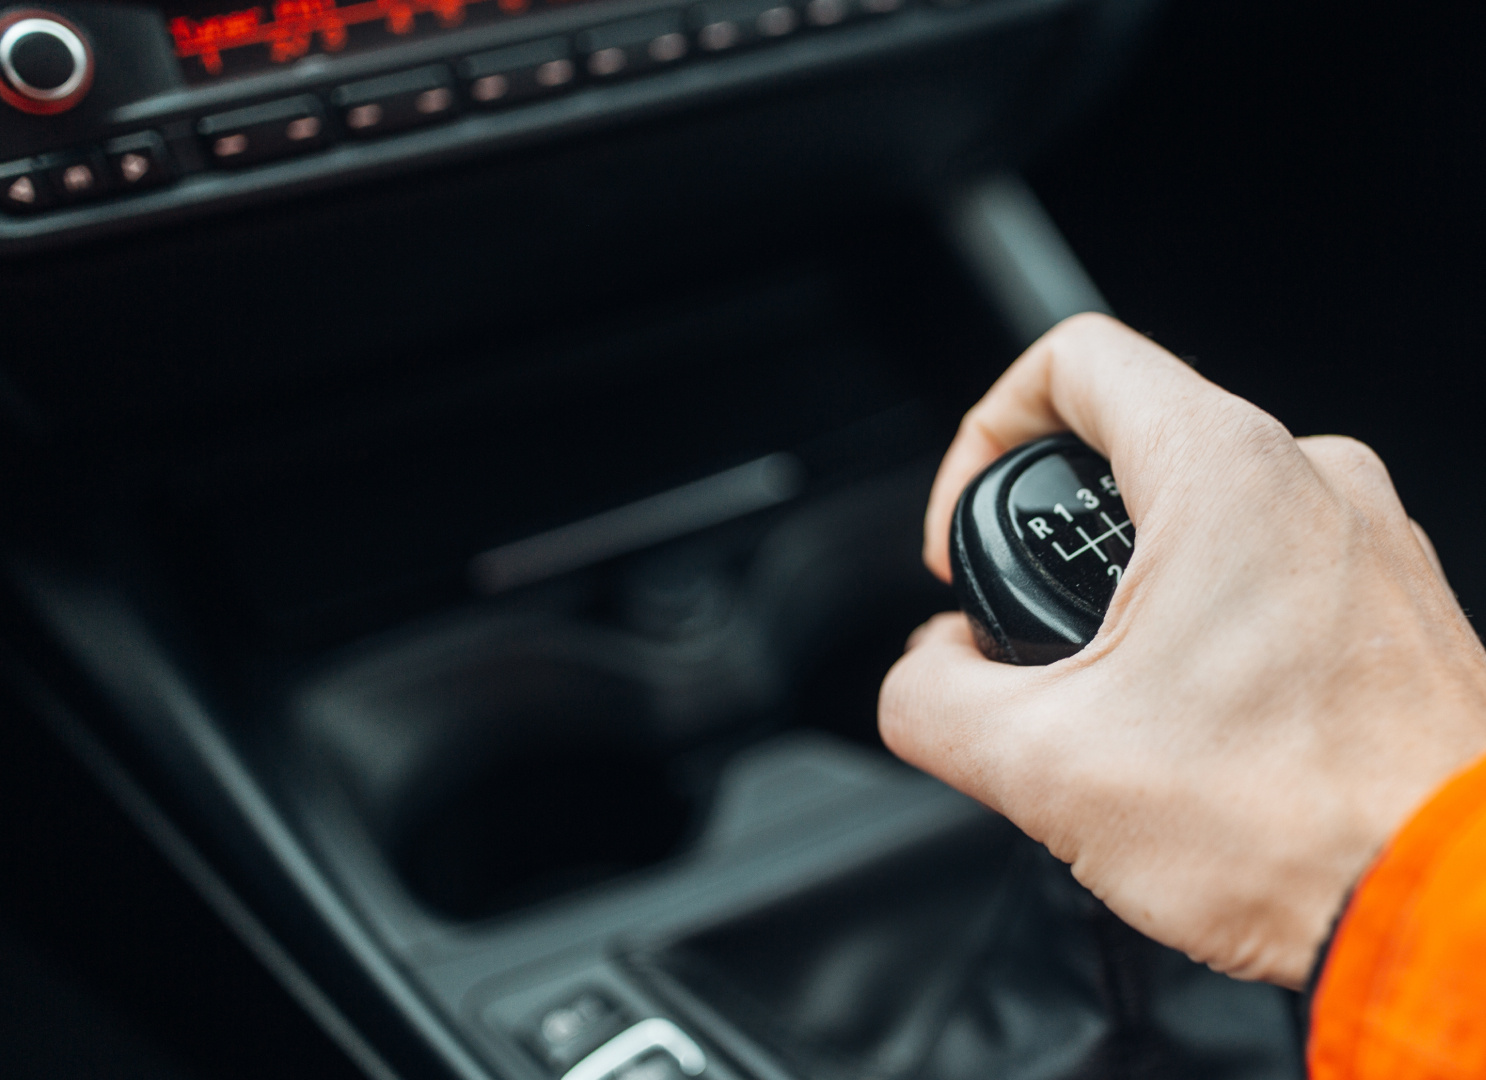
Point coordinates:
[(732, 24), (23, 187), (395, 102), (823, 13), (77, 176), (503, 76), (633, 46), (137, 161), (265, 132)]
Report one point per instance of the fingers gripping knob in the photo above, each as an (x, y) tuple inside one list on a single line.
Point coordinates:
[(46, 63), (1038, 543)]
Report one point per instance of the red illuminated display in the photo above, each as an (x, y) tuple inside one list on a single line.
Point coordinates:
[(290, 29)]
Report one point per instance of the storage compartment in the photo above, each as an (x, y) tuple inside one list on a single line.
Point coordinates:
[(521, 749)]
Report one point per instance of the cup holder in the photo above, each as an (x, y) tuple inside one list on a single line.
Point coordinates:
[(541, 822), (497, 761)]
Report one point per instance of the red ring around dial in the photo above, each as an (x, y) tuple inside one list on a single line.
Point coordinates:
[(14, 98)]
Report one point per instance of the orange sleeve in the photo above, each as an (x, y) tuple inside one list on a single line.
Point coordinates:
[(1403, 992)]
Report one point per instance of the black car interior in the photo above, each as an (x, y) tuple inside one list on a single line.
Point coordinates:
[(464, 472)]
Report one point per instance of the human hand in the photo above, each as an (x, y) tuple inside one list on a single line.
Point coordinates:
[(1282, 677)]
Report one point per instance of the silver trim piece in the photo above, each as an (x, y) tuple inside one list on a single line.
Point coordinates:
[(64, 34), (646, 1037)]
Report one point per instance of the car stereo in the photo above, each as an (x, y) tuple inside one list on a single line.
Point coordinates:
[(119, 113), (213, 41)]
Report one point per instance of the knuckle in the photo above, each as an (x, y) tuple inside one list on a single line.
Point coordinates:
[(1090, 331), (1082, 331), (1352, 463), (1348, 452), (1093, 322), (1257, 431)]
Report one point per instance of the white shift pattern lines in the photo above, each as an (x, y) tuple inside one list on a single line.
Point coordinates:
[(1092, 544)]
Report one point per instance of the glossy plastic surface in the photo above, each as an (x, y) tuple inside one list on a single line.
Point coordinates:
[(1038, 545)]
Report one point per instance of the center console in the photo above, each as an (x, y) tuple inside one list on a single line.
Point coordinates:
[(465, 465)]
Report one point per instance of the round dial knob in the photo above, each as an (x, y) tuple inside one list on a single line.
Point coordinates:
[(46, 64), (1038, 544)]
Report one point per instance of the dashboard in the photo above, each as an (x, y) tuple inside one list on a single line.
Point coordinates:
[(117, 114)]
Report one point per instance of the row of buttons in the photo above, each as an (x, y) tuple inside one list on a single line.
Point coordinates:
[(129, 163), (506, 76), (408, 99)]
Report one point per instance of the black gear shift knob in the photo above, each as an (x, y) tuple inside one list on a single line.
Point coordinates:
[(1038, 544)]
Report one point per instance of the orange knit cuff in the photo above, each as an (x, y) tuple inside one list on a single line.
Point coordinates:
[(1403, 994)]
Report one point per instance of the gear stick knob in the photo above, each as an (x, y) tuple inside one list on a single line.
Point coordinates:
[(1038, 544)]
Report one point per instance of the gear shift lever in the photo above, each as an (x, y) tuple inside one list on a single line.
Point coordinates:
[(1038, 545)]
